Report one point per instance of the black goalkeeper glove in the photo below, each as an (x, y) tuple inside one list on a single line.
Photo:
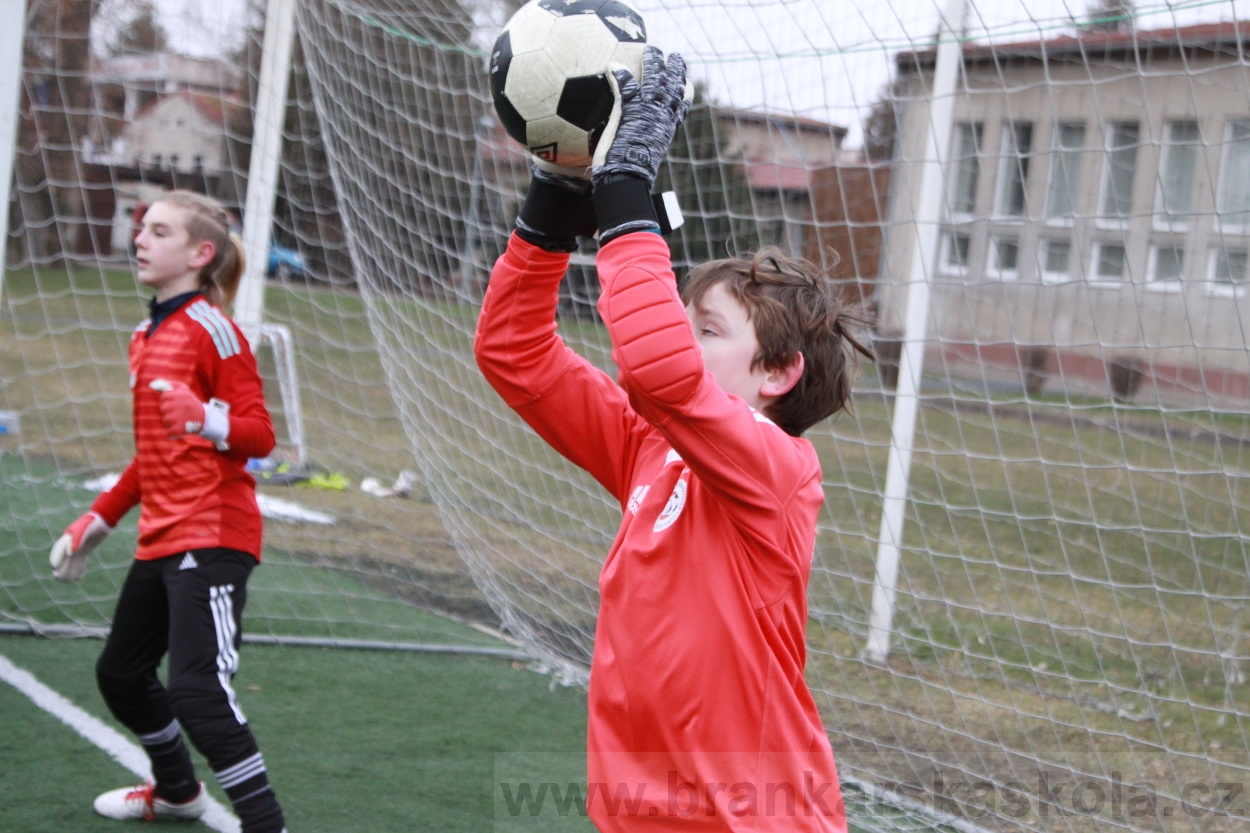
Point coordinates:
[(633, 146), (649, 115), (557, 208), (636, 141)]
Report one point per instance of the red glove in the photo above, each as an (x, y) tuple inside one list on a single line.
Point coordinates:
[(182, 412), (69, 554)]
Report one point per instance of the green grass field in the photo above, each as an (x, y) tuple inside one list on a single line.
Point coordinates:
[(1073, 580), (353, 740)]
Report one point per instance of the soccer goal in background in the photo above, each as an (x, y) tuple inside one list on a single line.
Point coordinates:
[(1029, 596)]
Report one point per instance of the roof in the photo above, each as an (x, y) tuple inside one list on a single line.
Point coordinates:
[(1157, 42), (780, 119), (763, 175), (771, 176), (214, 108)]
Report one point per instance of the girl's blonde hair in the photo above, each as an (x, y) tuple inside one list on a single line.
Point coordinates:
[(208, 220)]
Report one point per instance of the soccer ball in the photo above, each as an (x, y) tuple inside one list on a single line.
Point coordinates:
[(549, 73)]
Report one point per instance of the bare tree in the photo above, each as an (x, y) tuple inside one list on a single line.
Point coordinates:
[(55, 102), (881, 126), (1108, 16), (139, 29)]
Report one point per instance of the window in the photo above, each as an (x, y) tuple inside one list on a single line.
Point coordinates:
[(1110, 263), (1228, 270), (1121, 167), (955, 251), (1166, 266), (1006, 257), (173, 160), (1013, 178), (1177, 169), (1234, 200), (965, 169), (1055, 260), (157, 159), (1065, 171)]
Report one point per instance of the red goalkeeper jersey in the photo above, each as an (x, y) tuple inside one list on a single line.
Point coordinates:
[(193, 495), (700, 717)]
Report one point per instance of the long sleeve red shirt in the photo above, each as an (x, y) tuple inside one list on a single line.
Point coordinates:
[(192, 495), (700, 717)]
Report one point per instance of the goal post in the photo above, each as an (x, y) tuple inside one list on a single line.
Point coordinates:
[(11, 41), (262, 180), (915, 325)]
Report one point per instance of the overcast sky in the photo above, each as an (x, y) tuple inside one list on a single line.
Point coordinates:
[(824, 59)]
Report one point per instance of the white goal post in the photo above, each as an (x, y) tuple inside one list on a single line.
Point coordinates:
[(11, 41)]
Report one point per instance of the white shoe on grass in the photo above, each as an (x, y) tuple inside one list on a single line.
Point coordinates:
[(141, 803)]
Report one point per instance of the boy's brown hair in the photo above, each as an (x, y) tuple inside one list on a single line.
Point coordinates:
[(208, 220), (795, 308)]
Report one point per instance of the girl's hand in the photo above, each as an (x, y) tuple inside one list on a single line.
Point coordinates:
[(69, 554), (183, 413)]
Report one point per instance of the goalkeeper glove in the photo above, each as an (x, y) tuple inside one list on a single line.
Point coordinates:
[(634, 144), (557, 208), (183, 413), (69, 554)]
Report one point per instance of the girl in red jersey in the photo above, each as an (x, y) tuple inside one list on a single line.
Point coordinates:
[(199, 414)]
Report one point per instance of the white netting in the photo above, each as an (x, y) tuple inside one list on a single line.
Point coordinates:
[(1069, 628)]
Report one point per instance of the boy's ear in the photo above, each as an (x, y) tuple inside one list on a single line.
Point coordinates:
[(778, 382)]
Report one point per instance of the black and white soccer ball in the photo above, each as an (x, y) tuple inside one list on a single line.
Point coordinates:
[(549, 73)]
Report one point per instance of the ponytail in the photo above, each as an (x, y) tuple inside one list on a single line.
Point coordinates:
[(219, 280)]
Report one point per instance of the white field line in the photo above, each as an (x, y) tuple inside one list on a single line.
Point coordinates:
[(126, 753)]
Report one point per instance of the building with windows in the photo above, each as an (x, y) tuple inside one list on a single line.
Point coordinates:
[(184, 132), (1096, 206), (782, 160), (779, 155), (142, 78), (180, 140)]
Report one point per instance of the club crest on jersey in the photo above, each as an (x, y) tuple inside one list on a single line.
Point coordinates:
[(676, 502)]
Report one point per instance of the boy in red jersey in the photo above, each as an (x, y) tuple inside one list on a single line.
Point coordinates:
[(700, 717), (199, 414)]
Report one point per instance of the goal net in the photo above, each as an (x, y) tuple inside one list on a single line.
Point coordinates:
[(1028, 599)]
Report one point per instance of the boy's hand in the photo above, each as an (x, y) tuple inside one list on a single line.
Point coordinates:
[(636, 141), (574, 179), (69, 554), (557, 208)]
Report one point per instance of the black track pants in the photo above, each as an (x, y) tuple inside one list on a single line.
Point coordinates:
[(189, 605)]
